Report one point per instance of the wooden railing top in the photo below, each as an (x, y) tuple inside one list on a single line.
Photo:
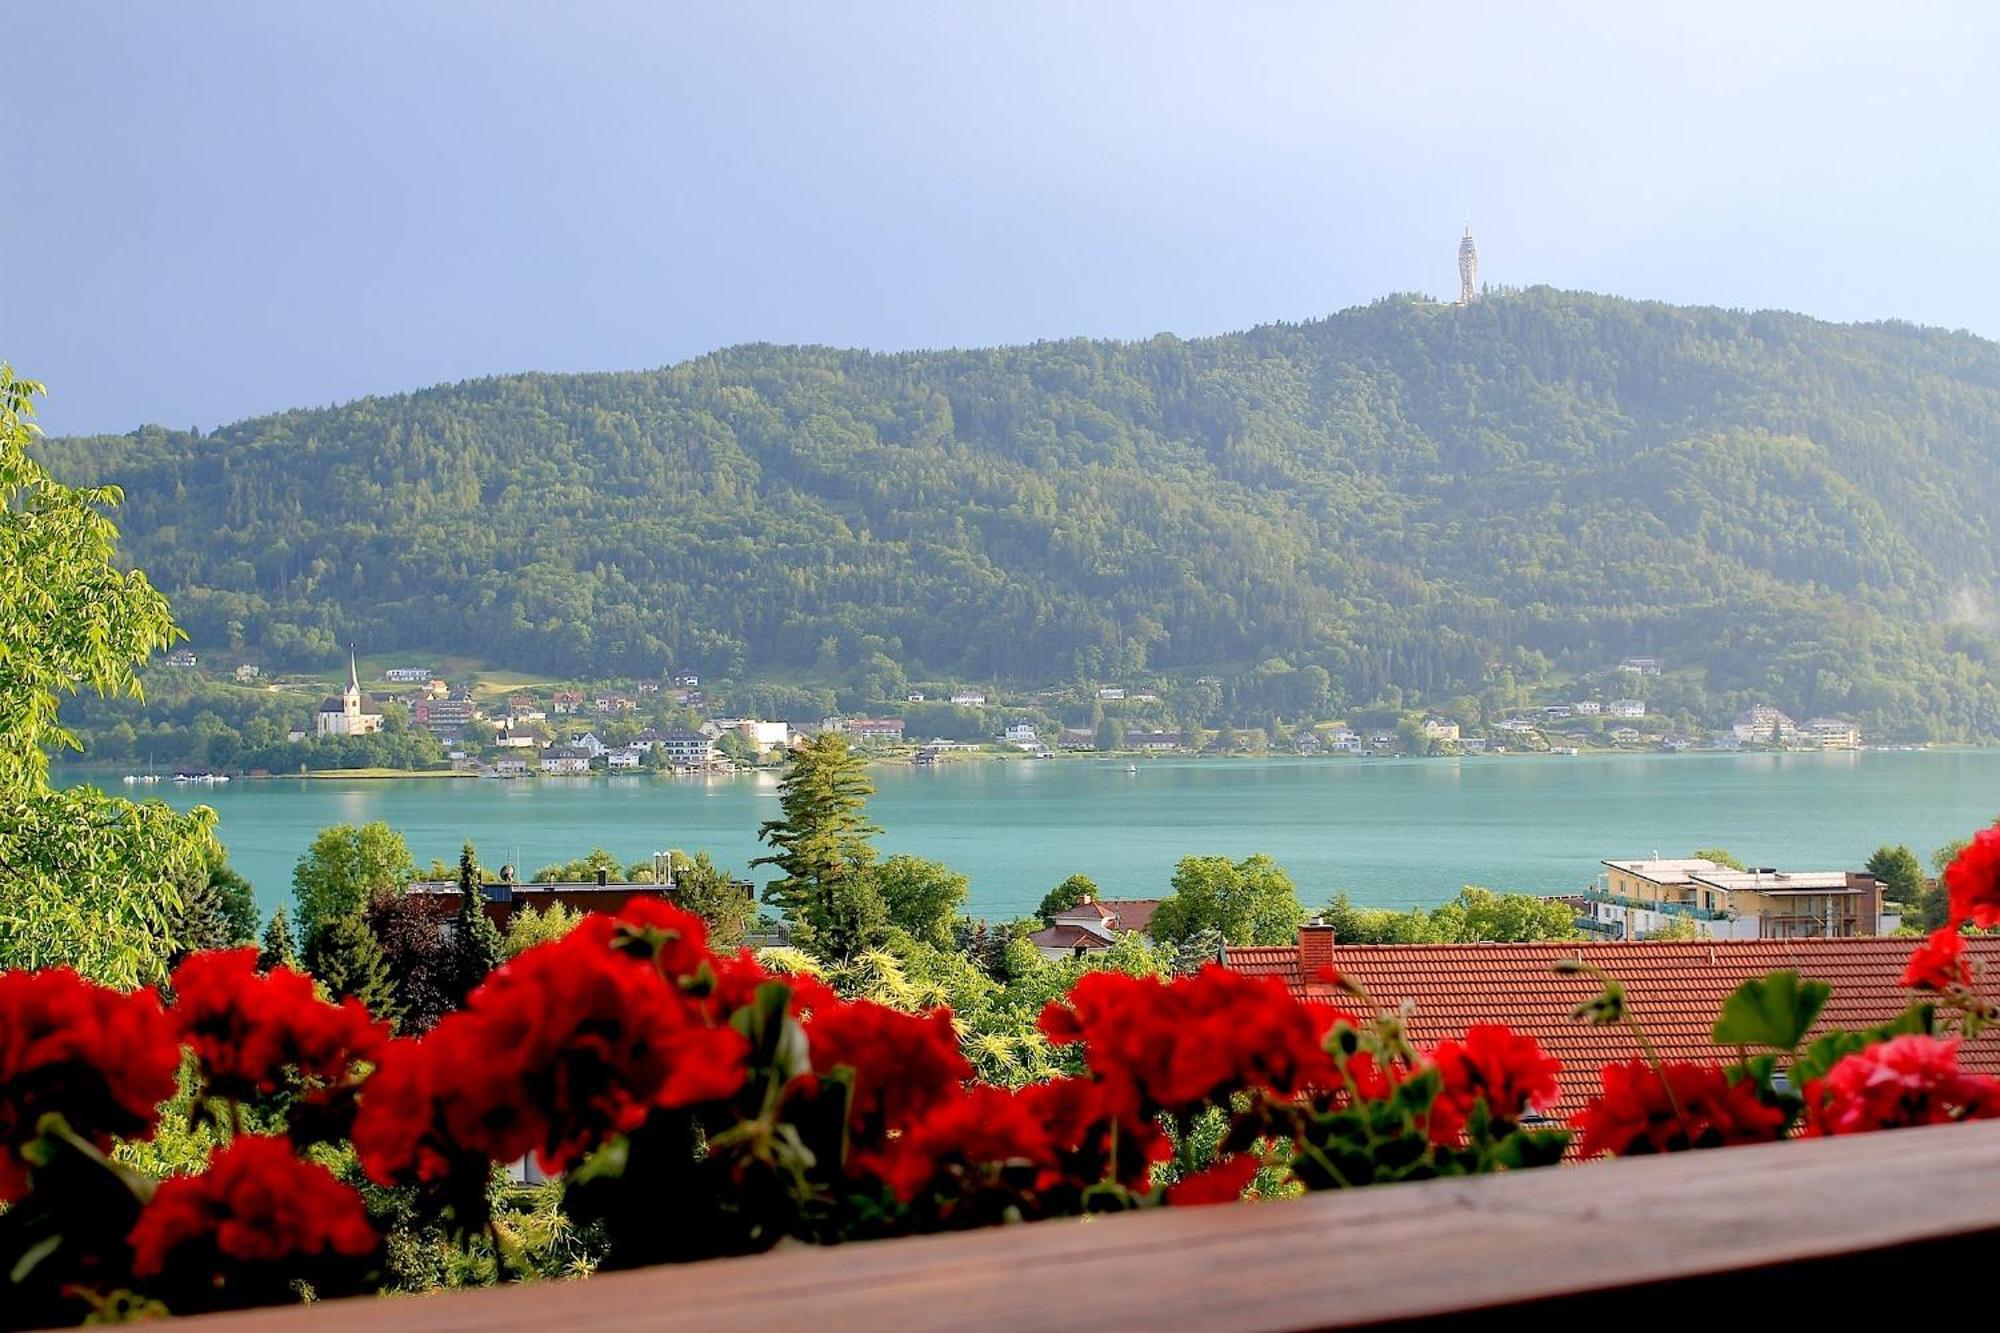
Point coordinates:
[(1784, 1221)]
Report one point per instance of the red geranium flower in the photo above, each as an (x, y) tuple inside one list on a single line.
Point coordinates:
[(1973, 880), (963, 1139), (904, 1064), (1179, 1045), (1636, 1113), (1496, 1065), (1907, 1080), (570, 1044), (100, 1058), (1939, 963), (1222, 1183), (247, 1029), (257, 1220)]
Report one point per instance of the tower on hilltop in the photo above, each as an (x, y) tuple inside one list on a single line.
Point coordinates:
[(1468, 268)]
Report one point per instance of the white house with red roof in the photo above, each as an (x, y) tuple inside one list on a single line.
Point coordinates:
[(1093, 924)]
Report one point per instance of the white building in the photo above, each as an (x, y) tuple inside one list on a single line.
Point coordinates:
[(566, 759), (1587, 707), (350, 713), (628, 758), (1021, 733), (688, 749), (407, 675), (1626, 708), (968, 697)]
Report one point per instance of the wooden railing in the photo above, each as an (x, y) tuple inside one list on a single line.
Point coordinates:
[(1853, 1228)]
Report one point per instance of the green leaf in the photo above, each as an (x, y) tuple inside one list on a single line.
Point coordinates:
[(1774, 1011)]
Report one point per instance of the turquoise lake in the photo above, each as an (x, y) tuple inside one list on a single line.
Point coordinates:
[(1389, 832)]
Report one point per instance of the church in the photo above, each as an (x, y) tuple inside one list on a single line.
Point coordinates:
[(350, 713)]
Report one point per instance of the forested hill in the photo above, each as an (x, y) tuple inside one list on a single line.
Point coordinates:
[(1406, 494)]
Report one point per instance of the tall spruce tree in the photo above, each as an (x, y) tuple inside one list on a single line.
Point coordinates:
[(827, 888), (278, 948), (476, 944)]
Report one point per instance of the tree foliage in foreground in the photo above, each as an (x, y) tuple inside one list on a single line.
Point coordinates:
[(86, 879)]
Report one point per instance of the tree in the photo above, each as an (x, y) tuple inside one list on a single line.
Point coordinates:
[(1901, 875), (1479, 914), (278, 949), (1252, 901), (344, 867), (1066, 895), (716, 896), (823, 852), (1717, 855), (476, 946), (1110, 734), (85, 879), (347, 957), (529, 926), (1677, 928), (582, 870), (922, 897)]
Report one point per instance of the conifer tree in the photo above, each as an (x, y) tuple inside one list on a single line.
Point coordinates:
[(827, 888), (278, 949), (476, 944), (346, 956)]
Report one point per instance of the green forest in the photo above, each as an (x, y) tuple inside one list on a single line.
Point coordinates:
[(1414, 499)]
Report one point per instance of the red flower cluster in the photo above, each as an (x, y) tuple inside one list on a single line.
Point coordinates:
[(904, 1064), (1175, 1047), (101, 1059), (1671, 1109), (1495, 1065), (982, 1128), (1939, 963), (1973, 880), (247, 1029), (1907, 1080), (571, 1043), (256, 1214)]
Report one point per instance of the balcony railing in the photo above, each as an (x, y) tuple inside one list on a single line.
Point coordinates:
[(1665, 908), (1801, 1230)]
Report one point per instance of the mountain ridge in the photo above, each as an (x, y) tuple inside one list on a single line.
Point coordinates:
[(1411, 497)]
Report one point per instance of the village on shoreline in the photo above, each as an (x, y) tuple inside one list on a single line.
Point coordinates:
[(493, 725)]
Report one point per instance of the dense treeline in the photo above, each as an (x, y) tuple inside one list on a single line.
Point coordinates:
[(1408, 497)]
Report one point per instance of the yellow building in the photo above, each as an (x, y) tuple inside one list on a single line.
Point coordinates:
[(1812, 904), (1834, 733)]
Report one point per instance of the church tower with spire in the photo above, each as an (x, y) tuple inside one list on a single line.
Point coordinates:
[(1468, 268), (351, 713)]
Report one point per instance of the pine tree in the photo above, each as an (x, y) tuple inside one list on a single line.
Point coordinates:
[(822, 845), (476, 945), (278, 949), (347, 957)]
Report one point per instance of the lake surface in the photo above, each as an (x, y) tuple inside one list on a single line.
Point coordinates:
[(1389, 832)]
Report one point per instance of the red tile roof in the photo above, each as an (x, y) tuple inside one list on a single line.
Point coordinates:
[(1065, 935), (1673, 988), (1132, 913)]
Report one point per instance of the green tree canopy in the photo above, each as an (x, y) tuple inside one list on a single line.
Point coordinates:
[(1477, 915), (1718, 855), (85, 879), (716, 896), (345, 866), (1901, 874), (1252, 901), (923, 898), (1066, 895)]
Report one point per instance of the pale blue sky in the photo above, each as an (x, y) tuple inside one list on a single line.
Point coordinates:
[(214, 210)]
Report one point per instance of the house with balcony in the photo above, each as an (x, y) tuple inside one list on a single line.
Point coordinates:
[(1833, 733), (1765, 725), (688, 749), (1640, 897)]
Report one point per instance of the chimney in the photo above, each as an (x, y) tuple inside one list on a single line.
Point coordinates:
[(603, 877), (1315, 948)]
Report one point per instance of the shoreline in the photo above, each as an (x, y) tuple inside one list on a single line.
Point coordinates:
[(87, 770)]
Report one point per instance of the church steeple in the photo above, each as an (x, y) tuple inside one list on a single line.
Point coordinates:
[(353, 672)]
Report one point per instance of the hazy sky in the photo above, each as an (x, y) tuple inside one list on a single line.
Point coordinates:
[(214, 210)]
